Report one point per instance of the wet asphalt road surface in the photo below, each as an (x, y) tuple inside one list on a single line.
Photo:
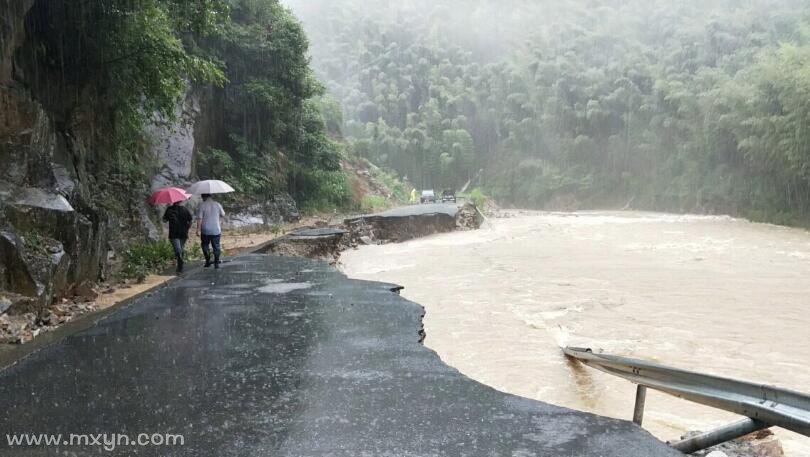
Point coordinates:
[(274, 356)]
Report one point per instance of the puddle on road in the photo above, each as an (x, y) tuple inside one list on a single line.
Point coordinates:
[(277, 286)]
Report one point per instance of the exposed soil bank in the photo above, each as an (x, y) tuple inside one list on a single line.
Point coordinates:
[(323, 244), (394, 226)]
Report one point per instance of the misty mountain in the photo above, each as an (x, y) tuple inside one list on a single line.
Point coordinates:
[(688, 106)]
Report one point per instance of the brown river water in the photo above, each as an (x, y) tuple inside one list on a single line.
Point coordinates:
[(712, 294)]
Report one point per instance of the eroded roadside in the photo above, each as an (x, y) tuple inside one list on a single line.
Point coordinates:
[(677, 289), (313, 238), (288, 357), (327, 242)]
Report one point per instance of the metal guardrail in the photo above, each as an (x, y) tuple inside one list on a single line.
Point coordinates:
[(764, 405)]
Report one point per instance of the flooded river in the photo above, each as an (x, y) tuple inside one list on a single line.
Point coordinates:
[(712, 294)]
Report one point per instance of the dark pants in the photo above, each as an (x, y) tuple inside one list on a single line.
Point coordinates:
[(179, 245), (211, 240)]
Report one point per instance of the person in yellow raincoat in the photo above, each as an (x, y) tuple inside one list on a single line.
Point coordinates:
[(414, 197)]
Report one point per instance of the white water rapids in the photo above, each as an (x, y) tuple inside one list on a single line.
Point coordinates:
[(711, 294)]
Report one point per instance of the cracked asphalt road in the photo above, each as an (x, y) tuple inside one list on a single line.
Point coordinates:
[(276, 356)]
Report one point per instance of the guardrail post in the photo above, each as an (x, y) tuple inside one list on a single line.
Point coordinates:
[(718, 436), (641, 398)]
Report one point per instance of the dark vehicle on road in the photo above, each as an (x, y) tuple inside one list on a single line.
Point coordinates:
[(428, 196), (449, 196)]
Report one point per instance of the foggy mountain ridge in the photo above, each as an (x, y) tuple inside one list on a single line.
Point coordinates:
[(687, 106)]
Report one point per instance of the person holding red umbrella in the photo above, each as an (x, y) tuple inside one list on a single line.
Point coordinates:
[(178, 217)]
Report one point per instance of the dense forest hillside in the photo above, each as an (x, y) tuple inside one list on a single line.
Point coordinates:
[(694, 106)]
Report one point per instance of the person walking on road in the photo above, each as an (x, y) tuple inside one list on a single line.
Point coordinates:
[(179, 219), (208, 228)]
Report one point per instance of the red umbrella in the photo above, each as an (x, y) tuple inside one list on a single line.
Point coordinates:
[(169, 196)]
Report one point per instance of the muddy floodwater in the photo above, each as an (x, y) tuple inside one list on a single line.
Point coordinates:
[(712, 294)]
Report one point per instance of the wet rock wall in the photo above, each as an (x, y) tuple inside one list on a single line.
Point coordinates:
[(52, 235)]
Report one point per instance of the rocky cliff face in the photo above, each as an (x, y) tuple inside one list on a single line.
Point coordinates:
[(12, 34), (51, 236), (173, 143)]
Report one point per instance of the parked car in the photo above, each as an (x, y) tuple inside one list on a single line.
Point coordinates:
[(449, 196), (428, 196)]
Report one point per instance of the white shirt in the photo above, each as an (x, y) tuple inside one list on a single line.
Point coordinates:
[(210, 211)]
